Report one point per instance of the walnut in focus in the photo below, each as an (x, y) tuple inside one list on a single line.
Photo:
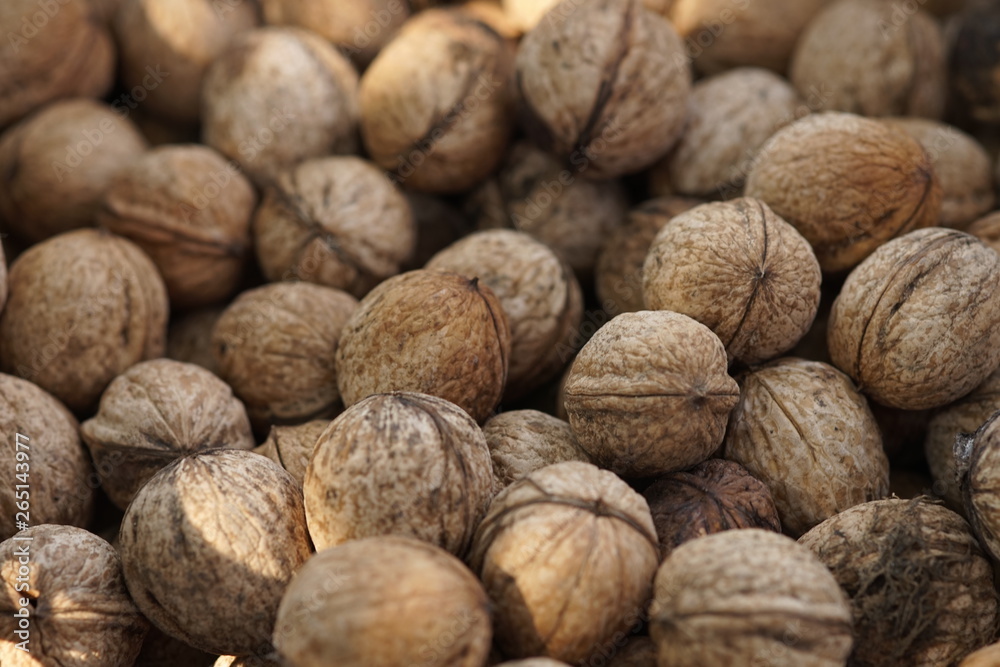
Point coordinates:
[(987, 230), (978, 463), (189, 338), (523, 441), (974, 63), (292, 447)]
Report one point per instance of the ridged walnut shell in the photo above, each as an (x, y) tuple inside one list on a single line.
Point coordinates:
[(522, 441), (917, 324), (978, 463), (292, 447)]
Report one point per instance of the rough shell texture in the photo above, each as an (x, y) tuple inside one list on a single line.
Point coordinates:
[(334, 221), (155, 412), (921, 590), (80, 611), (918, 323), (83, 307), (987, 230), (522, 441), (712, 497), (292, 447), (189, 338), (384, 601), (974, 62), (980, 466), (649, 394), (567, 555), (740, 270), (430, 332), (228, 523), (847, 183), (745, 596), (605, 84)]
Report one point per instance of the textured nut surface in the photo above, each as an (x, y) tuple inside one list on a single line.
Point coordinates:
[(291, 447), (981, 468), (917, 324), (522, 441), (724, 598), (847, 183), (189, 338), (649, 394), (567, 555)]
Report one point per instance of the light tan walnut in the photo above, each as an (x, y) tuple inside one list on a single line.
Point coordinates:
[(292, 447), (522, 441)]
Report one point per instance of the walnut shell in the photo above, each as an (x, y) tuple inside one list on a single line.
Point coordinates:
[(649, 394), (83, 307), (78, 611), (522, 441), (384, 601), (917, 324), (921, 590), (974, 62), (430, 332), (209, 545), (189, 338), (292, 447), (740, 270), (334, 221), (977, 463), (604, 85), (748, 597), (988, 656), (803, 429), (987, 230), (567, 555), (155, 412)]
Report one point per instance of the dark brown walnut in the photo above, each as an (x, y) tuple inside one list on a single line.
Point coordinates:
[(292, 447), (803, 429), (83, 307), (847, 183), (189, 338), (155, 412), (604, 85), (249, 116), (921, 589), (334, 221), (59, 162), (712, 497), (209, 545), (384, 601), (567, 556), (917, 324), (275, 346), (538, 293), (748, 596), (189, 210), (68, 584), (166, 49), (522, 441), (974, 62), (54, 462), (429, 332), (740, 270), (978, 466), (987, 230), (649, 394), (439, 223), (435, 103)]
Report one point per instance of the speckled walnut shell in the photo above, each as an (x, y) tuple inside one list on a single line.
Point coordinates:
[(567, 555), (334, 221), (978, 463), (189, 338), (987, 230), (712, 497), (522, 441), (276, 97), (291, 447), (974, 62), (83, 307), (60, 475), (439, 223), (921, 589), (80, 611), (155, 412), (803, 429), (604, 86), (740, 270), (649, 394), (275, 346), (209, 545), (189, 210), (917, 325), (744, 596), (847, 183), (430, 332), (435, 103), (539, 294), (59, 162)]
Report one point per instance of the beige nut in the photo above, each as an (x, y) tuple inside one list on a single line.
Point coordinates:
[(292, 447), (523, 441)]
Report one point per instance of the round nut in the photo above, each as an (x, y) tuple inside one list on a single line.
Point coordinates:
[(978, 463), (523, 441), (292, 447)]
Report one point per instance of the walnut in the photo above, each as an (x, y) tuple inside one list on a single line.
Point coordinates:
[(439, 223), (987, 230), (987, 656), (649, 394), (921, 590), (65, 599), (209, 545), (189, 338), (974, 62), (334, 221), (847, 183), (526, 14), (740, 270), (85, 290), (60, 162), (917, 324), (977, 469), (291, 447), (244, 661), (522, 441), (604, 85), (430, 332), (567, 555), (748, 597), (803, 429)]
